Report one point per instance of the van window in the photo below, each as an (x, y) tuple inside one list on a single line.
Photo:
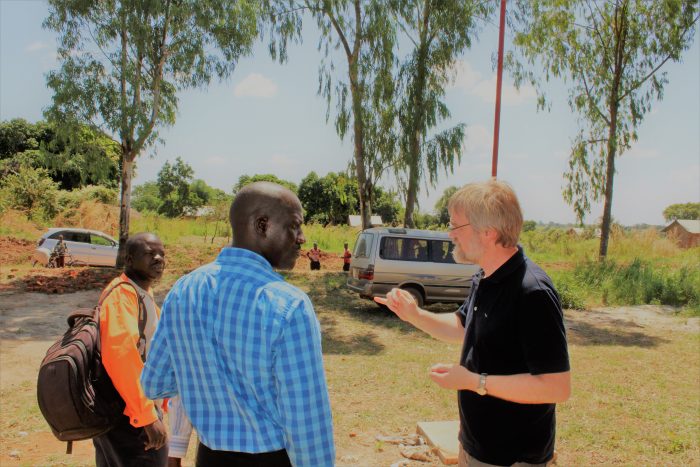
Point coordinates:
[(441, 251), (404, 249), (363, 246)]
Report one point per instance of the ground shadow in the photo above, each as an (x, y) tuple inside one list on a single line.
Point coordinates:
[(330, 295), (588, 334), (334, 343)]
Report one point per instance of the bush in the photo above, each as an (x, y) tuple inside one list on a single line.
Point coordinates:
[(32, 191), (641, 282)]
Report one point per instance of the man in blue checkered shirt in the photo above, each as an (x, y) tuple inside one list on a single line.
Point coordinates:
[(242, 347)]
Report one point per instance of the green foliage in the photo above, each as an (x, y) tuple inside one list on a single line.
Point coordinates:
[(331, 237), (529, 226), (682, 211), (443, 214), (610, 54), (30, 190), (329, 199), (174, 189), (146, 197), (72, 199), (122, 63), (386, 204), (571, 294), (641, 282), (439, 32), (365, 34), (426, 221), (73, 159), (244, 180)]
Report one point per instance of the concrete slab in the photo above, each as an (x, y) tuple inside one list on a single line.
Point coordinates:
[(443, 436)]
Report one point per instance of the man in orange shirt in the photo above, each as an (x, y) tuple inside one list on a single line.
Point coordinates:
[(140, 437)]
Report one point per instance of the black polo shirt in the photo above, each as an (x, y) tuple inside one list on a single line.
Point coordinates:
[(514, 324)]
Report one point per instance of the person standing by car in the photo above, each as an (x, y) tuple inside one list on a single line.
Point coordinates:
[(314, 256), (346, 258), (59, 252), (242, 347), (140, 437), (514, 365)]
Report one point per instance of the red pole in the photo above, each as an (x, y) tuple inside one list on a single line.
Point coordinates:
[(499, 79)]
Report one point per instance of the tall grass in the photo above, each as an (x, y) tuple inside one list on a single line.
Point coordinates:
[(634, 283), (330, 238)]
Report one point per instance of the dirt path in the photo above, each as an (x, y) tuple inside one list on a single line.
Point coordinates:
[(30, 322)]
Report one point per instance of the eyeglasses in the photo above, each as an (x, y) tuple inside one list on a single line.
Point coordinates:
[(452, 228)]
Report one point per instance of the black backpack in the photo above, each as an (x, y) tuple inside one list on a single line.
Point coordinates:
[(75, 394)]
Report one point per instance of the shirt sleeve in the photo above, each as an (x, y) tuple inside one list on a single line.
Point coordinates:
[(180, 429), (303, 402), (158, 376), (119, 334), (542, 332)]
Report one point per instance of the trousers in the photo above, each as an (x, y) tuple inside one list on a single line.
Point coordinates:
[(209, 458)]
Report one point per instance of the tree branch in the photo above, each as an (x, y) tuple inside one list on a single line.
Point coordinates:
[(636, 85)]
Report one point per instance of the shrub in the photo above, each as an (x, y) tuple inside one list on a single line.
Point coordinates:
[(32, 191), (641, 282)]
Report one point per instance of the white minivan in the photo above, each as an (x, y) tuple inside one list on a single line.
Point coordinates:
[(419, 261)]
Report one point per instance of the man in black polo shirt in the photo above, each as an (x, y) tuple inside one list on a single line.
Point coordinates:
[(514, 365)]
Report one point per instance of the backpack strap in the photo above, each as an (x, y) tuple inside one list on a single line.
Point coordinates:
[(142, 317)]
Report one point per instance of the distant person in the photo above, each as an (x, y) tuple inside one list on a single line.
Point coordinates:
[(314, 256), (346, 257), (242, 347), (59, 252), (514, 366), (140, 436)]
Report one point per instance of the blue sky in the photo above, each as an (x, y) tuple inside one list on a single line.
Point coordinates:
[(267, 118)]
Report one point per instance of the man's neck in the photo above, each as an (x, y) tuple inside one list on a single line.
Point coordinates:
[(496, 257), (143, 282)]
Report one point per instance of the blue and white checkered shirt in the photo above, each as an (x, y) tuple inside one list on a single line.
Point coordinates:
[(242, 348)]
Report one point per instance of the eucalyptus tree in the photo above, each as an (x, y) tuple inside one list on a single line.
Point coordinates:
[(364, 31), (122, 63), (610, 53), (437, 31)]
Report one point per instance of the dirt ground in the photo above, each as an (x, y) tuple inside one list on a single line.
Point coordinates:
[(30, 321)]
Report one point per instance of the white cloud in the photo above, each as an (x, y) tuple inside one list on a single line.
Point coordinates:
[(36, 46), (472, 82), (255, 85)]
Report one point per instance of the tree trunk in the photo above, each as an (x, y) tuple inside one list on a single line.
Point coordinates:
[(363, 184), (124, 207), (609, 178), (412, 193), (620, 30), (417, 102)]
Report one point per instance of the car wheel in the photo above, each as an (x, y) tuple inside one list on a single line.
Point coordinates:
[(417, 295)]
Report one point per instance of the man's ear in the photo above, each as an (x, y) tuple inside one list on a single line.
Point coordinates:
[(261, 226)]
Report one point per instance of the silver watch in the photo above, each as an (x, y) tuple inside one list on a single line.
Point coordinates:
[(481, 389)]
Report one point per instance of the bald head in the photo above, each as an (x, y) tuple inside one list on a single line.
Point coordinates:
[(135, 243), (266, 218)]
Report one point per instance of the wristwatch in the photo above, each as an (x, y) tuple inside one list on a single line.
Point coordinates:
[(481, 389)]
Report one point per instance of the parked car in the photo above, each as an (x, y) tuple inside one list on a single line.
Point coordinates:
[(419, 261), (83, 247)]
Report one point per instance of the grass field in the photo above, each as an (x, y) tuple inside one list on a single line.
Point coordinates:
[(635, 386), (636, 371)]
